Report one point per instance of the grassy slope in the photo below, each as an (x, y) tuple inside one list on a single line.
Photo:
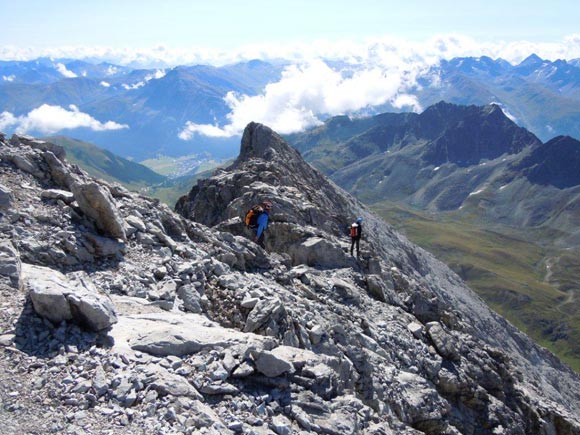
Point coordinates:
[(534, 287), (105, 165)]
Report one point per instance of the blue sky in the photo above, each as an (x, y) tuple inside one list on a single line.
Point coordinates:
[(387, 46), (229, 24)]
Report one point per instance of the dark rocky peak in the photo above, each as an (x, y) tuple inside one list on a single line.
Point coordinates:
[(555, 163), (259, 141), (466, 135)]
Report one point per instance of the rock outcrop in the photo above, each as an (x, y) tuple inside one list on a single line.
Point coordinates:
[(215, 335)]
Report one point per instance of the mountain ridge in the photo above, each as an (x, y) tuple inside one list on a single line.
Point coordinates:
[(543, 99), (196, 320), (439, 158)]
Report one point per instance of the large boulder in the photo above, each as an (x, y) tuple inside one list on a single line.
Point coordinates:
[(98, 204), (165, 334), (57, 298), (38, 144)]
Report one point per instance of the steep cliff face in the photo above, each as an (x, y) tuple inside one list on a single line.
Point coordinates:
[(122, 316)]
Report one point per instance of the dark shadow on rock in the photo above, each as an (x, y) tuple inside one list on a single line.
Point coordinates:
[(36, 336)]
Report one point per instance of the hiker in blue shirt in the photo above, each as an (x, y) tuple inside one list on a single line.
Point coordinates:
[(262, 223)]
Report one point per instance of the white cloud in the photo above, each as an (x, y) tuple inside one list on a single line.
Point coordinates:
[(407, 101), (105, 84), (112, 70), (506, 112), (308, 91), (154, 76), (61, 68), (9, 78), (7, 119), (49, 119), (443, 46)]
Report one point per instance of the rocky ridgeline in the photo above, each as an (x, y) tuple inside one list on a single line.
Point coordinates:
[(121, 316)]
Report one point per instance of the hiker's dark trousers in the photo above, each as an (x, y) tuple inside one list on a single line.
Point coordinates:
[(260, 240), (355, 240)]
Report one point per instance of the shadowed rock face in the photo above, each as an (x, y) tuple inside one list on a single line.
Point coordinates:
[(207, 332), (555, 163)]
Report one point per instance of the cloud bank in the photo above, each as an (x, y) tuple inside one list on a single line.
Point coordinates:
[(61, 68), (442, 46), (48, 119), (153, 76), (324, 78), (307, 91), (382, 72)]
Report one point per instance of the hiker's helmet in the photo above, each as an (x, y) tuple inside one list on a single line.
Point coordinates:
[(359, 220), (267, 205)]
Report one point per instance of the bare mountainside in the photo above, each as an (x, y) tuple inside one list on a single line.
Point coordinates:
[(122, 316)]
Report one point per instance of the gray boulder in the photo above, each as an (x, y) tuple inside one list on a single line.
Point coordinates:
[(26, 164), (38, 144), (273, 364), (266, 313), (190, 297), (177, 334), (58, 194), (57, 298), (98, 204), (166, 383), (58, 170)]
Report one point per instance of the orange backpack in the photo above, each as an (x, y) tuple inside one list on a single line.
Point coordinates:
[(252, 216)]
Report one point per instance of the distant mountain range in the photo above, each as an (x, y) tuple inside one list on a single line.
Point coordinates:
[(155, 105), (450, 157)]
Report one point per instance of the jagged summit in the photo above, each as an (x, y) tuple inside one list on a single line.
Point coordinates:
[(196, 329), (261, 141), (269, 168), (472, 134)]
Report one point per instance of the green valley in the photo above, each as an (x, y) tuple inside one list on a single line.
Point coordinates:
[(532, 284)]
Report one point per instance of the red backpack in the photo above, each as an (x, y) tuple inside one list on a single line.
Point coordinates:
[(354, 230)]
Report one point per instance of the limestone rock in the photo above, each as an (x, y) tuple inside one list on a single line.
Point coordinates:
[(264, 313), (57, 298), (57, 150), (190, 297), (272, 364), (336, 346), (164, 335), (99, 205), (64, 195), (166, 383)]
